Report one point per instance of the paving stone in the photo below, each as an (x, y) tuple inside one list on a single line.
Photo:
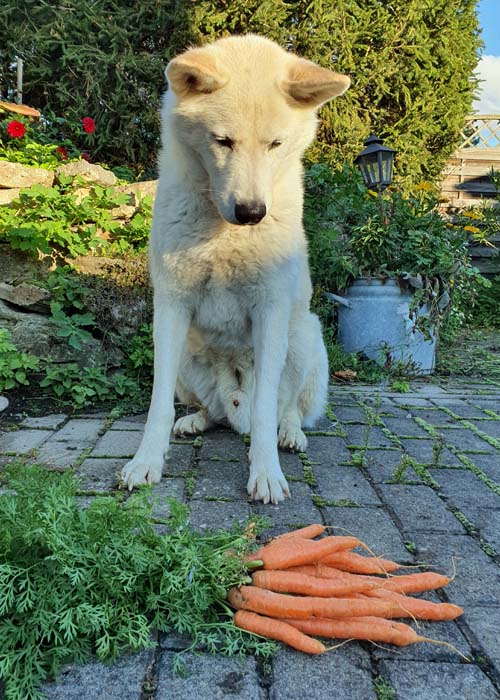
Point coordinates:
[(217, 515), (297, 509), (99, 474), (117, 443), (367, 435), (83, 429), (478, 577), (135, 418), (344, 483), (485, 623), (226, 479), (435, 416), (381, 464), (325, 424), (487, 521), (50, 422), (409, 400), (490, 427), (59, 454), (167, 488), (23, 441), (414, 680), (116, 681), (404, 426), (463, 487), (179, 459), (466, 410), (451, 402), (127, 424), (372, 525), (465, 439), (419, 509), (428, 389), (208, 678), (327, 450), (423, 452), (291, 463), (345, 675), (223, 445), (487, 463), (353, 414)]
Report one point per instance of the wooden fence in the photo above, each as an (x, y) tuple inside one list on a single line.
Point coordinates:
[(466, 179)]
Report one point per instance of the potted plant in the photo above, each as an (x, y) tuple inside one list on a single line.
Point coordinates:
[(390, 261)]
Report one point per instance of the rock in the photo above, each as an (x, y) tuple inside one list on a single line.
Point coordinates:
[(4, 402), (8, 196), (140, 189), (88, 172), (37, 335), (18, 266), (14, 175), (27, 295)]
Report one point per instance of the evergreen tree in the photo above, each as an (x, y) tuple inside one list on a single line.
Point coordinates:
[(411, 62)]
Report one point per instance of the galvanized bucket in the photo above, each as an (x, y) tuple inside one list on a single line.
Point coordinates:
[(374, 318)]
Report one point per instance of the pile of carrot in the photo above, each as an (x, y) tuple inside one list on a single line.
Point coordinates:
[(320, 587)]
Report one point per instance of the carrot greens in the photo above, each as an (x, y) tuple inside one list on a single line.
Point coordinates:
[(76, 581)]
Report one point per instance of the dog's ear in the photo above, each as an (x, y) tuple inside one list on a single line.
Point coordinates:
[(309, 85), (194, 72)]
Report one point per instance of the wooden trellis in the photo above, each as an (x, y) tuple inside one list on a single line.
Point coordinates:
[(481, 131)]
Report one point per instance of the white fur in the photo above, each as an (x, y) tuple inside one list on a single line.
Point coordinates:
[(233, 332)]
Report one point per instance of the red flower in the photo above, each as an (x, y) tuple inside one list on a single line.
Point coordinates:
[(86, 157), (88, 125), (16, 130), (62, 152)]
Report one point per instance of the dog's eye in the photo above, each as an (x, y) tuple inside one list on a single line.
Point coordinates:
[(275, 144), (224, 141)]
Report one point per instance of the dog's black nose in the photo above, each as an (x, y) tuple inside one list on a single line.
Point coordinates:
[(250, 213)]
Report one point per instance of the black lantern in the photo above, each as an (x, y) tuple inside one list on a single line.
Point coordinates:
[(376, 162)]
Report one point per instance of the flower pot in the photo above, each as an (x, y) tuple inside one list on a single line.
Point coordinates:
[(376, 321)]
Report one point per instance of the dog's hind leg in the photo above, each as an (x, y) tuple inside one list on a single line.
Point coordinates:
[(193, 423), (304, 383)]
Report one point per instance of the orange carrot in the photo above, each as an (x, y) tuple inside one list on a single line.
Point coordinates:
[(307, 533), (416, 607), (407, 583), (279, 630), (298, 551), (358, 564), (293, 582), (266, 602), (373, 629)]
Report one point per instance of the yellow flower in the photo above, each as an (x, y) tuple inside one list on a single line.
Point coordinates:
[(424, 186), (372, 193), (472, 229), (472, 215)]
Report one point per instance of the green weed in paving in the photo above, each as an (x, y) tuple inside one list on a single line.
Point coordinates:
[(74, 581)]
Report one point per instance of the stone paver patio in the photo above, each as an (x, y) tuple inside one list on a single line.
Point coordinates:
[(416, 475)]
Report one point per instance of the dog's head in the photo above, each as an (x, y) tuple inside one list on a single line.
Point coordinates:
[(247, 110)]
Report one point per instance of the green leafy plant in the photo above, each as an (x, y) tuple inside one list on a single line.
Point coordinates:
[(15, 366), (71, 327), (74, 581), (355, 232)]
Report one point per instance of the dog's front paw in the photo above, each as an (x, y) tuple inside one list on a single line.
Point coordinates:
[(142, 470), (291, 437), (267, 484)]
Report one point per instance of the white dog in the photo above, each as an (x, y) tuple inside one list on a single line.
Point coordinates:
[(233, 332)]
